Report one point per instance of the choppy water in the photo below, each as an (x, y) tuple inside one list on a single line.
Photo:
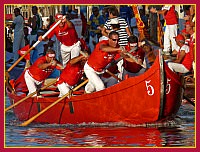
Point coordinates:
[(174, 133)]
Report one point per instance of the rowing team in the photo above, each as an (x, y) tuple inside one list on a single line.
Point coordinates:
[(108, 58)]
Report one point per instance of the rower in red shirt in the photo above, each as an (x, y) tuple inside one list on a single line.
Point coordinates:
[(133, 67), (183, 61), (71, 74), (102, 55), (40, 70), (66, 34)]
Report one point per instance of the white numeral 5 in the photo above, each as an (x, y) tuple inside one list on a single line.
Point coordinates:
[(150, 89), (168, 86)]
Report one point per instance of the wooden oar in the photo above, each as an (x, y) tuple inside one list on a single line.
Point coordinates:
[(50, 106), (30, 95), (113, 75), (36, 43)]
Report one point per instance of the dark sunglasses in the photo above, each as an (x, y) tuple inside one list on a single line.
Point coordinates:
[(115, 39)]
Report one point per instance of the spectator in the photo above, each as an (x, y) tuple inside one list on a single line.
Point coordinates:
[(18, 26), (126, 13), (8, 43), (96, 20), (133, 25), (124, 31), (105, 14), (26, 36), (77, 23), (51, 21), (40, 49), (35, 23), (171, 26)]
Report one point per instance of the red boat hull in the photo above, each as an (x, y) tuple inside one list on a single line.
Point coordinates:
[(137, 100)]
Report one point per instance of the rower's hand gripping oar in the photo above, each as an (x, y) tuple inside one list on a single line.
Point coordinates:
[(36, 43), (50, 106), (30, 95), (116, 61), (119, 59)]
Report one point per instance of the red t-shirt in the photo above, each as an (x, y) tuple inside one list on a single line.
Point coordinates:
[(40, 74), (170, 16), (133, 66), (99, 59), (187, 60), (66, 35), (71, 74)]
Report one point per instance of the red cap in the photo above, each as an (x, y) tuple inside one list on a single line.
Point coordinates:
[(180, 37), (58, 16)]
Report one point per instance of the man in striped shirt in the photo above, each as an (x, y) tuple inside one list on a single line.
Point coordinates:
[(123, 31)]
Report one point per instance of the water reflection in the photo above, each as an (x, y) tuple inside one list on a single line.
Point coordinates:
[(102, 137)]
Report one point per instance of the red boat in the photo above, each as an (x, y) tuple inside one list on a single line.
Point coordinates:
[(150, 97)]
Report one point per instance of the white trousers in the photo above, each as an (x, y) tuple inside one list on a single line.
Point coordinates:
[(177, 67), (64, 88), (31, 83), (70, 52), (95, 82), (170, 33)]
